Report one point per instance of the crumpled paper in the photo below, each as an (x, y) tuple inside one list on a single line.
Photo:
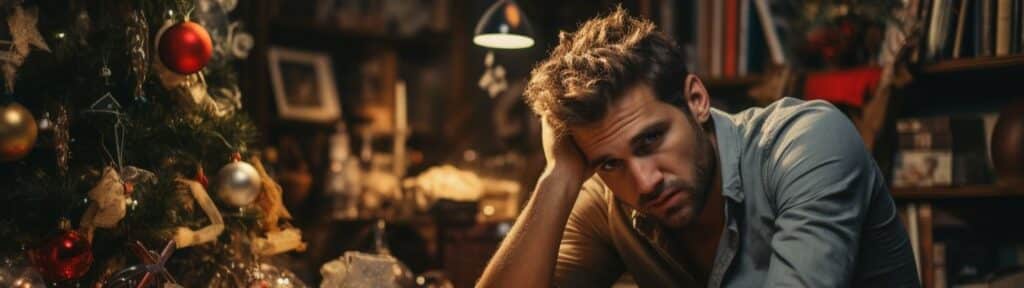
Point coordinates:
[(357, 269)]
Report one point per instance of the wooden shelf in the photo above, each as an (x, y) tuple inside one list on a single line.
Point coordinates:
[(970, 64), (981, 191), (305, 27), (748, 80)]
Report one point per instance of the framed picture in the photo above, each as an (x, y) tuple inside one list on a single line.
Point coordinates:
[(303, 85)]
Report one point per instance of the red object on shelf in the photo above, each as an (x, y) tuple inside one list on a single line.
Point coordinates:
[(846, 87), (732, 22)]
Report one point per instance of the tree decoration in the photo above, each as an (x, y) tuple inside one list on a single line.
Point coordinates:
[(190, 91), (65, 256), (277, 240), (62, 138), (137, 33), (24, 36), (184, 236), (14, 272), (185, 47), (111, 197), (152, 269), (18, 131), (238, 183), (107, 202)]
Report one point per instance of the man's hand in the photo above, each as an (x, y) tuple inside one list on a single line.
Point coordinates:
[(564, 158), (527, 257)]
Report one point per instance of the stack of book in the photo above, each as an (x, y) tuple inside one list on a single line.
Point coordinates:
[(733, 38), (941, 151), (971, 28)]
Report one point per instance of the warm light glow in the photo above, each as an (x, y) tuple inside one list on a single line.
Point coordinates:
[(512, 14), (13, 117), (503, 41)]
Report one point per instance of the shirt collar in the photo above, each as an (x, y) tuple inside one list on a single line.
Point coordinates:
[(727, 134)]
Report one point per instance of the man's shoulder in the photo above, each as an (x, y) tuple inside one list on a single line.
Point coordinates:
[(790, 117)]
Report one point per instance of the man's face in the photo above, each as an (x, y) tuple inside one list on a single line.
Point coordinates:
[(652, 155)]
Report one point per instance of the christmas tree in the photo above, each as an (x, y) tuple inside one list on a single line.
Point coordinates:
[(114, 111)]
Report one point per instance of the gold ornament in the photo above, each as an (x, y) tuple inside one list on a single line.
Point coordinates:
[(18, 132)]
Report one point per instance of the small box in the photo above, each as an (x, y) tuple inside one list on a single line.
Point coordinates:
[(923, 169)]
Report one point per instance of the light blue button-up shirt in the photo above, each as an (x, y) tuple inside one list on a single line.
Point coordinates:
[(806, 206)]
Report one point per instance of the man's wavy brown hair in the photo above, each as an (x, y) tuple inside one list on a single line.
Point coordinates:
[(591, 68)]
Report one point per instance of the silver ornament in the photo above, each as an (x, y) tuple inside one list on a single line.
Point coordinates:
[(238, 184)]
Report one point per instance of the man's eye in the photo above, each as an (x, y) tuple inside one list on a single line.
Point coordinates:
[(651, 138), (610, 165), (648, 143)]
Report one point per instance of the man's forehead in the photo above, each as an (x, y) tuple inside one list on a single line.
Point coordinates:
[(629, 116)]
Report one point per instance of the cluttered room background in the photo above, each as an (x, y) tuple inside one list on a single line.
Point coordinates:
[(225, 143)]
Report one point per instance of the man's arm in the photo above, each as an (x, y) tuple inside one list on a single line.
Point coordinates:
[(821, 178), (528, 255)]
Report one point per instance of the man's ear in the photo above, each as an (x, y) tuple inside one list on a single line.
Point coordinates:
[(697, 98)]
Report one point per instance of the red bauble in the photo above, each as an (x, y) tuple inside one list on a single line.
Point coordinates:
[(66, 256), (185, 47)]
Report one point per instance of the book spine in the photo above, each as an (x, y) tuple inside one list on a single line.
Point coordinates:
[(1020, 26), (729, 63), (703, 29), (770, 34), (757, 46), (939, 265), (961, 19), (743, 64), (935, 26), (927, 248), (986, 28), (1003, 20), (915, 236), (717, 37)]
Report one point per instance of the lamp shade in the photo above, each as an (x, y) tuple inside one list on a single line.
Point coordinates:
[(504, 26)]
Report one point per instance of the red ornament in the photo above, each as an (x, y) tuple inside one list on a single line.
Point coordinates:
[(64, 257), (185, 47)]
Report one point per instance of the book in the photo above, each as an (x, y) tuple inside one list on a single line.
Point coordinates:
[(756, 43), (941, 151), (920, 168), (939, 265), (1003, 20), (731, 37), (914, 233), (986, 26), (717, 37), (924, 212), (703, 29), (961, 19), (743, 66), (938, 28), (770, 33)]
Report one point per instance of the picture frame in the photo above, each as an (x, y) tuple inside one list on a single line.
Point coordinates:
[(304, 88)]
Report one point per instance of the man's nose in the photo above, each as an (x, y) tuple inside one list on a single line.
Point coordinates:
[(646, 176)]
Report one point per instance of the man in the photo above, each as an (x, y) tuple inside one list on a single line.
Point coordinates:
[(680, 194)]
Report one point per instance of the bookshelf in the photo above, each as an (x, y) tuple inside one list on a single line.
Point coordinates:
[(727, 82), (974, 64)]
